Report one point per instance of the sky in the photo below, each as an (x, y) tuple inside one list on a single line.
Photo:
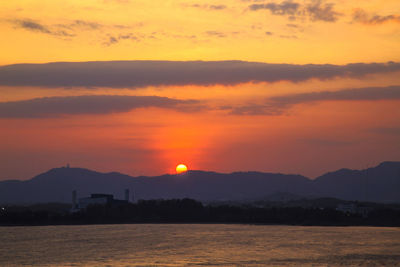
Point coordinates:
[(138, 86)]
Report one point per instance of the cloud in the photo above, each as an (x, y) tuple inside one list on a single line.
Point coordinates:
[(358, 94), (317, 10), (116, 39), (206, 6), (111, 40), (117, 1), (322, 11), (219, 34), (79, 24), (288, 36), (291, 25), (361, 16), (279, 105), (86, 24), (326, 142), (284, 8), (35, 26), (216, 34), (254, 109), (138, 74), (217, 7), (90, 104), (73, 28), (386, 130)]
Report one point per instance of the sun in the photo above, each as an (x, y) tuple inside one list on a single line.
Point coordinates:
[(181, 168)]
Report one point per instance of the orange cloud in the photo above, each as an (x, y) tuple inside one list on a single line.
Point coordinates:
[(361, 16)]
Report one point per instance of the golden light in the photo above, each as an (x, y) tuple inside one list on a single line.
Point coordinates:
[(181, 168)]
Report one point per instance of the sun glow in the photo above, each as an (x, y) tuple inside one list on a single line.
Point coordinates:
[(181, 168)]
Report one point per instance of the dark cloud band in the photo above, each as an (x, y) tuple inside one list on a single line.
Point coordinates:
[(136, 74), (280, 104), (105, 104), (358, 94), (316, 10), (88, 104)]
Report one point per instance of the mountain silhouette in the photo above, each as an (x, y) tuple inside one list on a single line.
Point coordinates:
[(377, 184)]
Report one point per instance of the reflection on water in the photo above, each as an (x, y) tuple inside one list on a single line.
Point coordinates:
[(202, 245)]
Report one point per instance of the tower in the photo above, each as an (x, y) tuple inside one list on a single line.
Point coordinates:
[(74, 205), (127, 195)]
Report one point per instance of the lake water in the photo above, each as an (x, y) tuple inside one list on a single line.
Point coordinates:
[(198, 245)]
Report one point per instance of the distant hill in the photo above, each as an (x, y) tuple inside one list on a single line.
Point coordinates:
[(378, 184)]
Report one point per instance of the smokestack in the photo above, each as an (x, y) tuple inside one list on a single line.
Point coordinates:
[(127, 195), (74, 199)]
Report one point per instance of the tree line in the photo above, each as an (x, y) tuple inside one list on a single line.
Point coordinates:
[(192, 211)]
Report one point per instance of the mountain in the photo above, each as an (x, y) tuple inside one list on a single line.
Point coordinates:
[(379, 184)]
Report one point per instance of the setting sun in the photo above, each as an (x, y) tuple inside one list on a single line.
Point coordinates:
[(181, 168)]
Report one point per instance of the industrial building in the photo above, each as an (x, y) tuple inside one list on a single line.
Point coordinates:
[(97, 199), (352, 208)]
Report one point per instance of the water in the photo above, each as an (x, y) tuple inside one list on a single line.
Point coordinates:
[(198, 245)]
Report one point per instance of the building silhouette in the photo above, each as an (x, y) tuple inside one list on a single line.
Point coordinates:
[(97, 199)]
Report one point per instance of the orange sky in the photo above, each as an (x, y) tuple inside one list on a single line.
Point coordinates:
[(209, 121)]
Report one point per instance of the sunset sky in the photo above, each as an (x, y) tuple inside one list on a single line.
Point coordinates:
[(138, 86)]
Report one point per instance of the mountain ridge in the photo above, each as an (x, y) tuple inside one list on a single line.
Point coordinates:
[(379, 184)]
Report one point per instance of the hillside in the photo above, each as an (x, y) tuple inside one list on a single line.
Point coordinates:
[(379, 184)]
